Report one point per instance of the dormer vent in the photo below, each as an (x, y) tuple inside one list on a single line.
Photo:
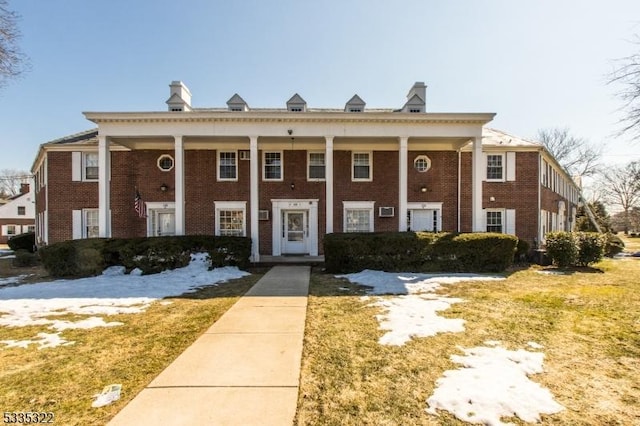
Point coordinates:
[(296, 104), (179, 97), (355, 104), (237, 104), (416, 98)]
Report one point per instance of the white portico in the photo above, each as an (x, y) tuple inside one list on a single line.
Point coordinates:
[(294, 221)]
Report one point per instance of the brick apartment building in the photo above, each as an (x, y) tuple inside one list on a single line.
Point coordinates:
[(288, 176)]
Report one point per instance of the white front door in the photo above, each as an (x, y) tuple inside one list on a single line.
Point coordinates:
[(424, 220), (294, 234), (162, 222)]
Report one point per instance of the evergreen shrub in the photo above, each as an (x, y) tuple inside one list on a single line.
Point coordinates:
[(562, 248), (26, 241), (590, 247), (613, 245), (81, 258), (418, 252), (25, 258)]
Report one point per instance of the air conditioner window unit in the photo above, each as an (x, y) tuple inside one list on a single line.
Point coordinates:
[(263, 214), (386, 211)]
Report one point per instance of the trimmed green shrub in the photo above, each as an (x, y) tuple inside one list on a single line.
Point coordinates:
[(562, 248), (26, 241), (522, 251), (80, 258), (613, 245), (418, 252), (25, 258), (590, 248)]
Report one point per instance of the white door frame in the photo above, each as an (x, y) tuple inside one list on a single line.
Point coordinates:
[(155, 207), (308, 205), (428, 206)]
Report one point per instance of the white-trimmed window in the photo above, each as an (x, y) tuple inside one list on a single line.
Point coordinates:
[(422, 163), (495, 221), (165, 162), (358, 216), (90, 165), (272, 165), (361, 169), (231, 218), (9, 229), (316, 169), (90, 222), (495, 167), (31, 228), (228, 165)]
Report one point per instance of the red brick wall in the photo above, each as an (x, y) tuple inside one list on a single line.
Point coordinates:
[(521, 194), (441, 181), (295, 171), (383, 189), (65, 196), (20, 222)]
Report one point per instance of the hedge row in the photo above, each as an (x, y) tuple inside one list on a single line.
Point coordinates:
[(87, 257), (26, 241), (418, 252), (581, 248)]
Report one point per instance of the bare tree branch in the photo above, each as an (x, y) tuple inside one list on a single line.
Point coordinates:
[(10, 181), (621, 186), (576, 155), (12, 61), (627, 76)]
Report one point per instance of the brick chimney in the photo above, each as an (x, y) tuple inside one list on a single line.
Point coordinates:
[(24, 188)]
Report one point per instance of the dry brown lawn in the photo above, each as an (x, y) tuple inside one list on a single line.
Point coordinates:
[(588, 321)]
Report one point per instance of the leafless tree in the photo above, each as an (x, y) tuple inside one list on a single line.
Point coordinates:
[(10, 181), (12, 61), (576, 155), (621, 187), (627, 75)]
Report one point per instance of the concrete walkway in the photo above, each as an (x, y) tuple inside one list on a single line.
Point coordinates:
[(244, 370)]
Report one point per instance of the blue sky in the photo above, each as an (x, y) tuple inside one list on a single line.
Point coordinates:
[(537, 64)]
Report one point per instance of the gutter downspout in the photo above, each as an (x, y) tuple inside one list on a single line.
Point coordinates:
[(459, 185)]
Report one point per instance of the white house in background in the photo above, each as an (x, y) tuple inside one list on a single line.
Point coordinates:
[(18, 215)]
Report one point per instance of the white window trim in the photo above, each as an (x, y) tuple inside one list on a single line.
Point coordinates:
[(426, 159), (219, 164), (264, 166), (503, 218), (84, 221), (324, 154), (83, 166), (370, 178), (230, 205), (173, 161), (504, 166), (358, 205)]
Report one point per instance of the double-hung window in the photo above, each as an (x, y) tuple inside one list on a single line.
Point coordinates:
[(495, 167), (227, 165), (272, 165), (90, 165), (361, 166), (22, 210), (358, 216), (495, 221), (316, 163), (90, 223), (231, 218)]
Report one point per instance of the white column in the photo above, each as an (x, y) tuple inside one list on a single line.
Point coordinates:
[(104, 197), (179, 185), (328, 174), (476, 186), (402, 183), (254, 204)]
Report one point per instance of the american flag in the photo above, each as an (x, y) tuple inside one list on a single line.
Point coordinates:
[(139, 205)]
